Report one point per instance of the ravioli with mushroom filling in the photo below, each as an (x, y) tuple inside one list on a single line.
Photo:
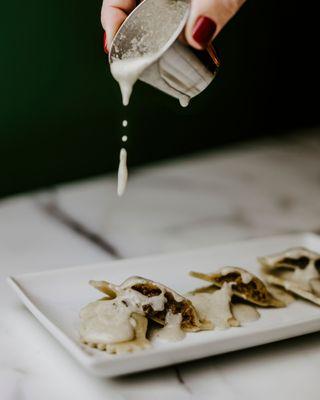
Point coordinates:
[(159, 300), (243, 284), (297, 270), (118, 323)]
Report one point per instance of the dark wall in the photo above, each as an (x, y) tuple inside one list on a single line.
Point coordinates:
[(60, 109)]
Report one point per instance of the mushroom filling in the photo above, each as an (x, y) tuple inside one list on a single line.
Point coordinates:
[(254, 287), (148, 290), (300, 262), (176, 307)]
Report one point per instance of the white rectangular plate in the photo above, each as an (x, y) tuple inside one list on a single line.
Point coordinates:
[(55, 298)]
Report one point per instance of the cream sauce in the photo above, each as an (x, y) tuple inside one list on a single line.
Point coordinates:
[(315, 286), (172, 331), (281, 294), (298, 277), (96, 325), (127, 71), (303, 276), (184, 101), (108, 321), (246, 277), (214, 307), (122, 172), (244, 313)]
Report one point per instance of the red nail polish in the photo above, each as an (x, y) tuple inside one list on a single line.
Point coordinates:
[(204, 30), (105, 44)]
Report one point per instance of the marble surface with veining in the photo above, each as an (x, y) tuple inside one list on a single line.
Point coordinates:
[(256, 189)]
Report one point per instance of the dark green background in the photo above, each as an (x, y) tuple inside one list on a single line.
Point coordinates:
[(60, 110)]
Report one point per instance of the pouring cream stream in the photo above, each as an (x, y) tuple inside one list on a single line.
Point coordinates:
[(126, 72)]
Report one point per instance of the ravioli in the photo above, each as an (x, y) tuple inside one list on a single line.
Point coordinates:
[(118, 322), (243, 284), (297, 270), (161, 300)]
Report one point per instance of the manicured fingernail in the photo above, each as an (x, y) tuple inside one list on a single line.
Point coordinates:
[(105, 44), (204, 30)]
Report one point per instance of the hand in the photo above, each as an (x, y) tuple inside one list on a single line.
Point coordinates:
[(207, 18)]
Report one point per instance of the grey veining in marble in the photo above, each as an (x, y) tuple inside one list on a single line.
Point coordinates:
[(252, 191)]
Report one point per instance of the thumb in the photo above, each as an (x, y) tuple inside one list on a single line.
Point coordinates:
[(113, 13), (207, 18)]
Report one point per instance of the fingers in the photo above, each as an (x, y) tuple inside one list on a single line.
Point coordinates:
[(113, 13), (207, 18)]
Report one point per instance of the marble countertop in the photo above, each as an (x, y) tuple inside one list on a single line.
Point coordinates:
[(256, 189)]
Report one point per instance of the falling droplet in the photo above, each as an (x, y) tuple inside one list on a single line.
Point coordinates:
[(122, 172)]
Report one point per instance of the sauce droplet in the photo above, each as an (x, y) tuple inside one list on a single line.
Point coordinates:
[(122, 172), (184, 101)]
